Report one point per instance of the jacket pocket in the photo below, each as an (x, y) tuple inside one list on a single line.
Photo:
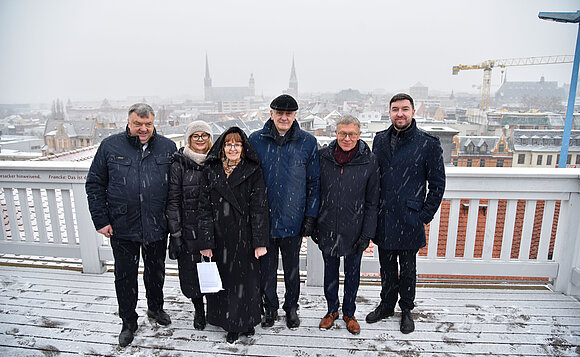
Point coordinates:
[(415, 205)]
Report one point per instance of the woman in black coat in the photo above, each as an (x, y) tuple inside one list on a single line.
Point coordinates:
[(185, 180), (235, 229)]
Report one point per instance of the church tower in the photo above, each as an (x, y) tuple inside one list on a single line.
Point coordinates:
[(252, 85), (293, 84), (207, 82)]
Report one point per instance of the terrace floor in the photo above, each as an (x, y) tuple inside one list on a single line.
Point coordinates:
[(58, 312)]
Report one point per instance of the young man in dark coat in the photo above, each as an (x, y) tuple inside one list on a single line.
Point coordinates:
[(349, 198), (183, 202), (234, 229), (411, 163), (127, 192), (289, 158)]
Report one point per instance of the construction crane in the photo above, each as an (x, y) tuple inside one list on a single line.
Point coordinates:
[(489, 64)]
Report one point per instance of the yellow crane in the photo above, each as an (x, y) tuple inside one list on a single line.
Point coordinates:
[(489, 64)]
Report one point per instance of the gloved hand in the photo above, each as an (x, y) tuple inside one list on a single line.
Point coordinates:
[(175, 245), (361, 244), (308, 225)]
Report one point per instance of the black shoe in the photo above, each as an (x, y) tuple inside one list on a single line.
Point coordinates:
[(199, 320), (269, 318), (292, 320), (232, 337), (381, 312), (407, 324), (126, 335), (160, 316), (250, 332)]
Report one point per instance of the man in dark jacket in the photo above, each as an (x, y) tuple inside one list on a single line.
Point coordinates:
[(289, 158), (349, 198), (127, 192), (411, 163)]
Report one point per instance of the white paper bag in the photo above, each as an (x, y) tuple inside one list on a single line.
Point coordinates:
[(209, 277)]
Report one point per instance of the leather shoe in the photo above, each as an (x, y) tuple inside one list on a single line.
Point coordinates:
[(328, 320), (232, 337), (407, 324), (269, 318), (126, 335), (351, 324), (199, 320), (381, 312), (292, 320), (160, 316)]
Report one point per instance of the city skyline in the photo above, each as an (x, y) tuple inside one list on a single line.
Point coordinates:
[(89, 50)]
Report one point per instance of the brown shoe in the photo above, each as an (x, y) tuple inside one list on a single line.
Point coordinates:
[(352, 324), (328, 320)]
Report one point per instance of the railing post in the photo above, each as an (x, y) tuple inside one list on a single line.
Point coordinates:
[(567, 247), (314, 265), (89, 239)]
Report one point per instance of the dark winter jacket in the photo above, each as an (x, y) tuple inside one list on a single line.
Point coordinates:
[(234, 221), (349, 198), (127, 187), (185, 181), (292, 176), (405, 207)]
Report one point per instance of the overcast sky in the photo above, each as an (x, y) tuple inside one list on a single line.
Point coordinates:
[(90, 50)]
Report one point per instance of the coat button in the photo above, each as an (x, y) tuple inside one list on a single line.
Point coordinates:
[(390, 168)]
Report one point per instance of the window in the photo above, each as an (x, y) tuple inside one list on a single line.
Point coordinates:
[(521, 159), (577, 159), (455, 162), (501, 148), (468, 162), (549, 160), (483, 148), (469, 148), (539, 161), (499, 163), (569, 159), (482, 163), (557, 159)]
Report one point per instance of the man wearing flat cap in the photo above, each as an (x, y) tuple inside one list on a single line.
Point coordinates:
[(289, 158)]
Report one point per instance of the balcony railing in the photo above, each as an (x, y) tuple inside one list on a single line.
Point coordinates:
[(494, 222)]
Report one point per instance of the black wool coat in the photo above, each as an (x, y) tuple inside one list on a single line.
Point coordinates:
[(405, 207), (182, 211), (234, 222), (349, 200)]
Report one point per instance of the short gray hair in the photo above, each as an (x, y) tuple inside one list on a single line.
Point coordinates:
[(143, 110), (348, 119)]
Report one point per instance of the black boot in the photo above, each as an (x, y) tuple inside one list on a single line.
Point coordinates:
[(407, 324), (269, 318), (381, 312), (126, 335), (199, 315), (232, 337), (292, 319)]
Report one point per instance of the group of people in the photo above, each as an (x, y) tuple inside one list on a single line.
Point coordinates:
[(244, 201)]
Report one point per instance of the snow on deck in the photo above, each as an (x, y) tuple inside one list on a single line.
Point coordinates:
[(54, 312)]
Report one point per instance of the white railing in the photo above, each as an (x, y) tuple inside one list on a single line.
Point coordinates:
[(506, 222)]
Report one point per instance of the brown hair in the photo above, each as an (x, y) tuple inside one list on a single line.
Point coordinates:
[(236, 137)]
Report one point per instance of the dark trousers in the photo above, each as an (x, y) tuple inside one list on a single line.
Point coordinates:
[(126, 255), (395, 282), (351, 282), (290, 250)]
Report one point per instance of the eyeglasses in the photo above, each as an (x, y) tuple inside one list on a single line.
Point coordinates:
[(233, 146), (203, 136), (343, 135)]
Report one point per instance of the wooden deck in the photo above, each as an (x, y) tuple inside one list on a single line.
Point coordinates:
[(55, 312)]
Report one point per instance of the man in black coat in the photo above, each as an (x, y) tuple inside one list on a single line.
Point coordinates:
[(347, 220), (411, 163), (127, 191)]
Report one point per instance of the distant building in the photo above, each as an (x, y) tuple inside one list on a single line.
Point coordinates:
[(419, 91), (293, 82), (61, 136), (481, 151), (541, 148), (226, 94), (517, 92)]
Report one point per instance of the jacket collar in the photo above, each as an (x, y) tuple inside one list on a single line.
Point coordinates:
[(134, 140), (295, 132)]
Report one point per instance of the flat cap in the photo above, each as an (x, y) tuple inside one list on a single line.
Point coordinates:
[(284, 102)]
